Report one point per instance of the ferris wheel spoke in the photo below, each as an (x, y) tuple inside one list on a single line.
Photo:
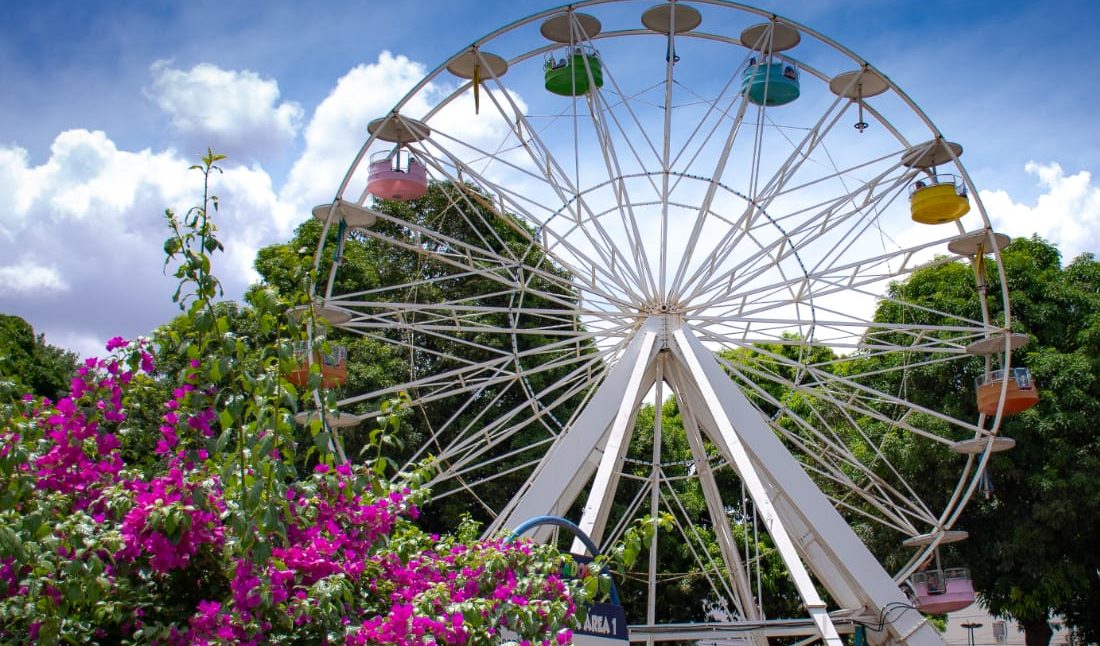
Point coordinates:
[(854, 276), (461, 319), (386, 297), (566, 191), (549, 171), (609, 129), (454, 336), (847, 333), (800, 154), (738, 279), (676, 289), (798, 230), (626, 102), (473, 375), (952, 323), (474, 440), (723, 97), (481, 226), (873, 500), (471, 442), (623, 202), (860, 399), (819, 438), (867, 402), (459, 255), (663, 162), (829, 459), (450, 482), (712, 568), (594, 268)]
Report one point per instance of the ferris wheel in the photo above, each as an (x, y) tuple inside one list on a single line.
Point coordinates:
[(612, 210)]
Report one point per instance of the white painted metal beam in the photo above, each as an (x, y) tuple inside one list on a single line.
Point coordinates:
[(808, 532), (727, 546), (840, 561), (602, 492), (731, 443), (568, 465)]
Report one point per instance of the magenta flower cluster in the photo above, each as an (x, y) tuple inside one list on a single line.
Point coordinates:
[(83, 454), (131, 545), (166, 525), (491, 577)]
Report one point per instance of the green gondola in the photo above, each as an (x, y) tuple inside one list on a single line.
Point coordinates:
[(570, 76)]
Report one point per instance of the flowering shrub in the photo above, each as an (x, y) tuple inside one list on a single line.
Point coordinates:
[(92, 550), (177, 507)]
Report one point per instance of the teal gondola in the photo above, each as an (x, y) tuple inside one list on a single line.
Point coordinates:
[(771, 84)]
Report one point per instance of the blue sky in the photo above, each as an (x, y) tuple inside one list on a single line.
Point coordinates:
[(106, 103)]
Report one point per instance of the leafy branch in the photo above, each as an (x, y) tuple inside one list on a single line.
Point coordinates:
[(192, 242)]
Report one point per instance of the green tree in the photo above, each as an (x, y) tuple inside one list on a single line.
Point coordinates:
[(682, 598), (397, 261), (33, 364), (1030, 548)]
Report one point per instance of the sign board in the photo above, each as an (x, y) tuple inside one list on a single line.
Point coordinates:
[(605, 625)]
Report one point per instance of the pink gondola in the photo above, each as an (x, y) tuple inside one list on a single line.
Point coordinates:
[(939, 591), (397, 175)]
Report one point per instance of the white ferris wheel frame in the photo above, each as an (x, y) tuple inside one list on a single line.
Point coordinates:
[(652, 327)]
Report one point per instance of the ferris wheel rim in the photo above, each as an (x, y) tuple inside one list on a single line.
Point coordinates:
[(965, 488)]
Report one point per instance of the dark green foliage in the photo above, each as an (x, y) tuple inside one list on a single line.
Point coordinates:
[(1031, 547), (682, 597), (36, 366)]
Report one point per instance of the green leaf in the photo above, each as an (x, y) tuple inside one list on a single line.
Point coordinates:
[(226, 435), (11, 544), (255, 494)]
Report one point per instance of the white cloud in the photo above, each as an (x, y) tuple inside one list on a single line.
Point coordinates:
[(233, 112), (339, 125), (16, 187), (83, 234), (1067, 213), (28, 277)]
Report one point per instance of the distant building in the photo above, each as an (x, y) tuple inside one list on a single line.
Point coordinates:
[(992, 631)]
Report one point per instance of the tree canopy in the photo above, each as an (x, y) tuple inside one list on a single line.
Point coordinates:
[(1030, 548), (35, 365), (179, 503)]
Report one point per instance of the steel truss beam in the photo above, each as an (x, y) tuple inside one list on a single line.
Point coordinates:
[(809, 533)]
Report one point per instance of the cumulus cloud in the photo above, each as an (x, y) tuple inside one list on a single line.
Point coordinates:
[(234, 112), (28, 277), (1067, 213), (81, 235), (338, 128)]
